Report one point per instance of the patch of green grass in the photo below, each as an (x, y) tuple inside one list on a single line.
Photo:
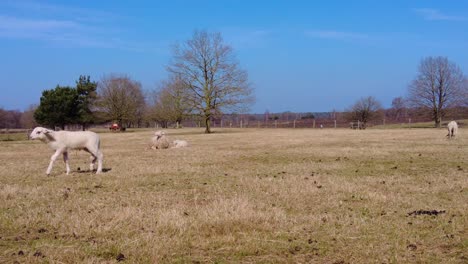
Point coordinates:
[(13, 136)]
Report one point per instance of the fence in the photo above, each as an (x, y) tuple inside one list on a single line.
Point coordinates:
[(308, 123)]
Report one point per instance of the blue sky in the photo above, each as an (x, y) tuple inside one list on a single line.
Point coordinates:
[(301, 56)]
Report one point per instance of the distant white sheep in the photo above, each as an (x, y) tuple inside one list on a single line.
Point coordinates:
[(160, 140), (63, 141), (179, 143), (452, 127)]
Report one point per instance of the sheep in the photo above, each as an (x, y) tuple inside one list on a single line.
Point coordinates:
[(452, 127), (63, 141), (160, 140), (179, 143)]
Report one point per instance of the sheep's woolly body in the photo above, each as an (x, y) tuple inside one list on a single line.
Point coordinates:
[(160, 140), (63, 141), (179, 143), (452, 127)]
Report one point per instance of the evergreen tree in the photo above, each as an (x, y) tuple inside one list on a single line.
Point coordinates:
[(87, 96), (58, 107)]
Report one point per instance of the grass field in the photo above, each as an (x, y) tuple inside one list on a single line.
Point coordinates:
[(241, 196)]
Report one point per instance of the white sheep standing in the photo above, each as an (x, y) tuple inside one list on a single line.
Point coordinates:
[(452, 127), (63, 141)]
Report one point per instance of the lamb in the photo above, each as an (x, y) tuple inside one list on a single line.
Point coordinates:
[(179, 143), (63, 141), (452, 127), (159, 141)]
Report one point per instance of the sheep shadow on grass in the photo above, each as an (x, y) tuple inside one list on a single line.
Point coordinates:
[(104, 170)]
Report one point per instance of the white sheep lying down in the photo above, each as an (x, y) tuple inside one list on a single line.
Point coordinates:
[(179, 143), (63, 141), (452, 127), (161, 141)]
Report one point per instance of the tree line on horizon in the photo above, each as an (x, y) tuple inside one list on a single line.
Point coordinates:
[(206, 83)]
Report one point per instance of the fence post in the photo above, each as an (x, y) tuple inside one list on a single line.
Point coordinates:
[(241, 123), (409, 122), (294, 123), (313, 124), (335, 122), (276, 123), (358, 126)]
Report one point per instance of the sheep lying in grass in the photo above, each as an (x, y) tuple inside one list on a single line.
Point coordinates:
[(179, 143), (63, 141), (452, 127), (161, 141)]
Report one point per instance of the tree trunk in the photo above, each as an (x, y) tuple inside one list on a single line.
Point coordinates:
[(207, 124), (437, 122), (437, 118)]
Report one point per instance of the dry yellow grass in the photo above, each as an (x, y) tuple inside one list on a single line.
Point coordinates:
[(249, 196)]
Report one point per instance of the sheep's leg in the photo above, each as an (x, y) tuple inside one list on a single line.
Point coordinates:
[(96, 155), (52, 159), (65, 159), (99, 159), (93, 160)]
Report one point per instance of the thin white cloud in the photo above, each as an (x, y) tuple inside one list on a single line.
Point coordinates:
[(78, 13), (19, 24), (37, 29), (338, 35), (52, 24), (245, 38), (434, 14)]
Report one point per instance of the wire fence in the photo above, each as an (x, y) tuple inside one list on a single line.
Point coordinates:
[(308, 123)]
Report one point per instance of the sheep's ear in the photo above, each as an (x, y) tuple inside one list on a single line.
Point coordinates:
[(49, 135)]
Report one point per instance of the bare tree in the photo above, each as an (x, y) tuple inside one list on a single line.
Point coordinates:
[(398, 109), (10, 118), (168, 103), (157, 110), (212, 78), (438, 86), (27, 118), (365, 110), (121, 99)]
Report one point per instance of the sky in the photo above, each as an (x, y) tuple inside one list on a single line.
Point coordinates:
[(301, 56)]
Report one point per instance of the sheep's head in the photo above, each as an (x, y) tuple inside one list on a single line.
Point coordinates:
[(40, 133), (159, 133)]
